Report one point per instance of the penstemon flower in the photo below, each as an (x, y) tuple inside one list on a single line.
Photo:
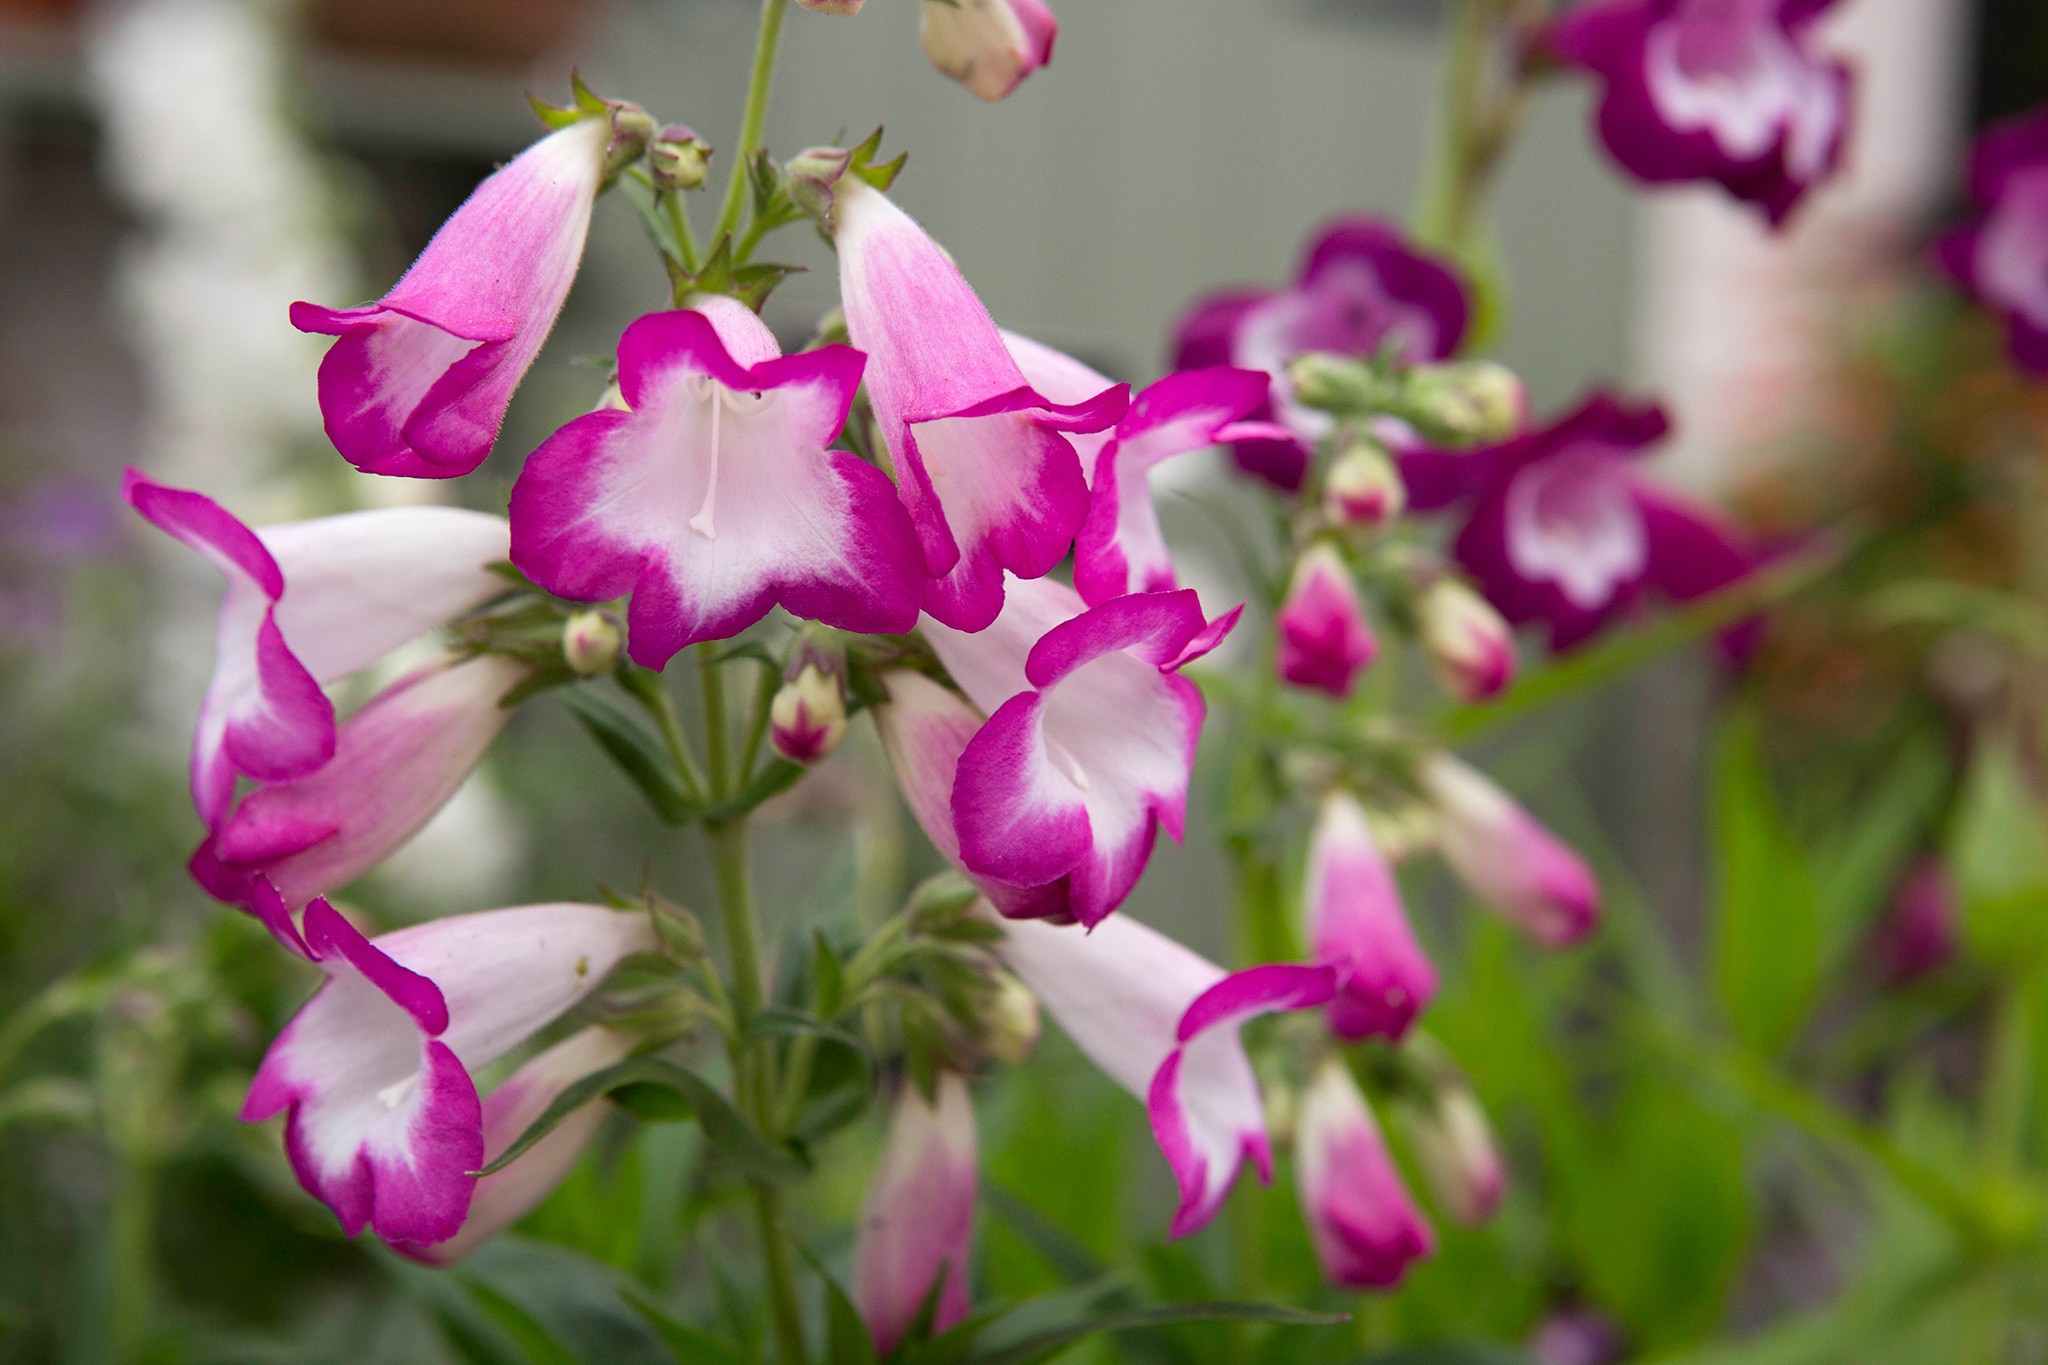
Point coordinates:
[(711, 495), (2002, 260), (1324, 639), (383, 1123), (1356, 924), (1364, 1224), (989, 46), (918, 1221), (1731, 91), (982, 460), (308, 603), (1506, 859), (1472, 649), (1455, 1147)]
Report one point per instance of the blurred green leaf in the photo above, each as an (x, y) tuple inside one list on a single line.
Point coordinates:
[(639, 755), (691, 1345), (1998, 854), (1046, 1343), (1855, 869), (518, 1324), (1446, 1353)]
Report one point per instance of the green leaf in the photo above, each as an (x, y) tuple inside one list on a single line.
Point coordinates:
[(1855, 870), (1072, 1261), (690, 1345), (1446, 1353), (1998, 853), (638, 754), (645, 1078), (846, 1337), (778, 777), (519, 1325), (1042, 1345), (1767, 958)]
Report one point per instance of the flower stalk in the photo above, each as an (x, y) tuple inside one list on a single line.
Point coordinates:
[(766, 40)]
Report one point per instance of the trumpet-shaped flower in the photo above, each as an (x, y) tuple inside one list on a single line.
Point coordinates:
[(1455, 1147), (395, 763), (1362, 290), (982, 459), (1090, 740), (1506, 859), (383, 1123), (1356, 924), (308, 603), (989, 46), (918, 1221), (417, 383), (711, 496), (1472, 648), (1364, 1225), (1324, 638), (2003, 259), (1731, 91)]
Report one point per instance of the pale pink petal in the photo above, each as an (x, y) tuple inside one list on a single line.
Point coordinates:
[(918, 1220)]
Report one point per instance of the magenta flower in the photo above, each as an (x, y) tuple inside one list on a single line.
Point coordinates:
[(918, 1221), (1564, 530), (1361, 290), (2002, 260), (1731, 91), (1090, 741), (989, 46), (309, 603), (1356, 924), (418, 382), (383, 1123), (982, 459), (1508, 861), (1920, 933), (1365, 1227), (396, 762), (1324, 639), (711, 495)]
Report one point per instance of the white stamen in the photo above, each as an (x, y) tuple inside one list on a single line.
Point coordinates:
[(701, 523), (395, 1094), (1066, 763)]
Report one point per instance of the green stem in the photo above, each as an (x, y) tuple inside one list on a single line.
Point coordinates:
[(2002, 1115), (678, 745), (730, 869), (679, 219), (717, 740), (779, 1261), (757, 724), (765, 42)]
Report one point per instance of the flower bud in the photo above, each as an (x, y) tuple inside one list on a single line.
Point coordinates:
[(1008, 1017), (845, 7), (1363, 487), (1471, 646), (918, 1220), (1454, 1145), (1577, 1336), (807, 719), (1918, 935), (632, 129), (989, 46), (1364, 1225), (1506, 859), (811, 175), (1465, 402), (1324, 638), (1335, 383), (591, 641), (677, 159)]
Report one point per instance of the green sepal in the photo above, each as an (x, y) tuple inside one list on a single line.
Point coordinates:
[(879, 174)]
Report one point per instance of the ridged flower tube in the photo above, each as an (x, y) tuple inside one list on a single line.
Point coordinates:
[(989, 46), (982, 459), (711, 494), (1365, 1226), (383, 1122), (396, 762), (309, 603), (918, 1220), (1506, 859), (1356, 924)]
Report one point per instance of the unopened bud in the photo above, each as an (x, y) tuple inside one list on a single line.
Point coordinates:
[(811, 175), (1465, 402), (1364, 488), (677, 159), (1336, 383), (1455, 1147), (1471, 646), (846, 7), (1008, 1016), (632, 129), (591, 642), (989, 46), (807, 719)]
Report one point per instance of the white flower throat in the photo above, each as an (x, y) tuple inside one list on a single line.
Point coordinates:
[(718, 399)]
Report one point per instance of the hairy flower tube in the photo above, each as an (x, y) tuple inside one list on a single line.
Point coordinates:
[(2002, 259), (982, 459), (1090, 740), (711, 495), (1365, 1226), (1730, 91), (383, 1123), (989, 46), (1507, 860), (1356, 924), (917, 1223), (1325, 642), (396, 762), (309, 603), (1362, 290), (417, 383)]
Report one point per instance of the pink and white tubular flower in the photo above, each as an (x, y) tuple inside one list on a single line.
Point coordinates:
[(982, 459), (1090, 741), (1364, 1225), (1356, 924), (1324, 639), (309, 603), (383, 1123), (1455, 1147), (1472, 648), (396, 762), (504, 1197), (918, 1220), (418, 382), (711, 495), (1506, 859), (1162, 1022), (989, 46)]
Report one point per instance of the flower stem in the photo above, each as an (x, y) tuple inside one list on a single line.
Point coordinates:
[(765, 42), (717, 740)]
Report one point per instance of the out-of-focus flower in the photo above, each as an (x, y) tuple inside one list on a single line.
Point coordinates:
[(396, 762), (2002, 260), (807, 718), (1363, 487), (1563, 529), (712, 496), (1361, 291), (1731, 91), (1506, 859), (591, 641), (1919, 934), (417, 383), (1454, 1145), (1324, 638), (918, 1221), (1365, 1227), (1577, 1336), (308, 603), (383, 1123), (989, 46), (1472, 649), (991, 481), (1090, 741), (1356, 924)]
